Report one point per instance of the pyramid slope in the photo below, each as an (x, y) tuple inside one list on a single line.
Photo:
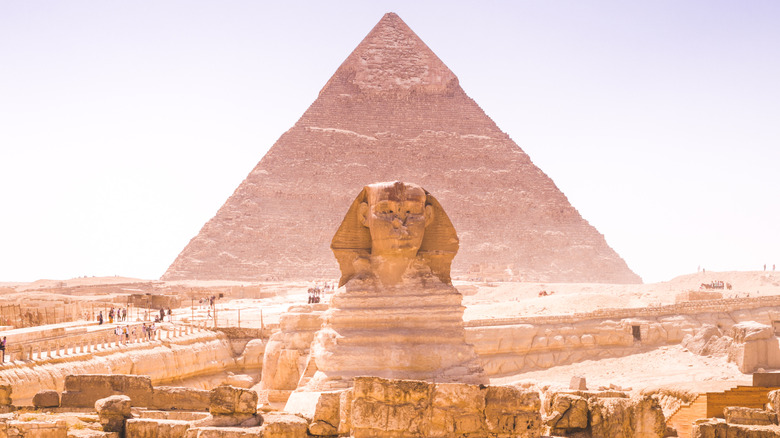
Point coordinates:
[(394, 111)]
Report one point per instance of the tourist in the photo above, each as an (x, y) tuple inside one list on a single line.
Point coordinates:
[(152, 330), (170, 315), (127, 334), (144, 331), (2, 348), (100, 318), (111, 316)]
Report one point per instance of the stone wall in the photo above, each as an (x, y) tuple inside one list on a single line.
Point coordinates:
[(166, 360), (379, 408), (511, 345)]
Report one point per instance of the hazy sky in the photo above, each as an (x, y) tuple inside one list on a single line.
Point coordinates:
[(125, 125)]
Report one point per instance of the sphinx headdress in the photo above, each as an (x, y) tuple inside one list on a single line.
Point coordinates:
[(353, 240)]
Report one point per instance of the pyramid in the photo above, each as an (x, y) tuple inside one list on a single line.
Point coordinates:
[(394, 111)]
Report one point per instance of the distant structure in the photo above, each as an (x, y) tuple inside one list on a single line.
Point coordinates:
[(394, 111)]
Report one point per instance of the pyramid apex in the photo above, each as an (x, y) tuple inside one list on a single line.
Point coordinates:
[(392, 58)]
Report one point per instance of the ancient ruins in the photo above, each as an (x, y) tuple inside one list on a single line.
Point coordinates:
[(394, 111), (397, 339)]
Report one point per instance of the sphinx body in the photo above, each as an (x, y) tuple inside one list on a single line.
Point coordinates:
[(398, 315)]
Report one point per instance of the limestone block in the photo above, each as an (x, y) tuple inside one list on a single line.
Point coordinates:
[(751, 355), (233, 420), (278, 425), (620, 417), (280, 364), (229, 400), (717, 428), (703, 340), (85, 389), (578, 383), (751, 331), (566, 412), (457, 410), (5, 395), (223, 432), (239, 380), (345, 412), (321, 409), (252, 356), (113, 411), (180, 398), (648, 417), (742, 415), (155, 428), (610, 417), (576, 416), (35, 429), (47, 398), (512, 411), (386, 407)]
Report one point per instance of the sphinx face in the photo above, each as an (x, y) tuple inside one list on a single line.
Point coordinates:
[(396, 216)]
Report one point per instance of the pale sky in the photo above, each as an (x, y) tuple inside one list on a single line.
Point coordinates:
[(124, 126)]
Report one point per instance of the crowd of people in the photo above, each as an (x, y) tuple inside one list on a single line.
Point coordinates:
[(118, 314), (317, 292)]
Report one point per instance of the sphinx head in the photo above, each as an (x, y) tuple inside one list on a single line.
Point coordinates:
[(396, 215), (395, 221)]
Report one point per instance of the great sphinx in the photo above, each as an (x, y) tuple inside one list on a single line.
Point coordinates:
[(398, 315)]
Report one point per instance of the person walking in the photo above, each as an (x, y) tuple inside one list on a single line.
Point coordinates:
[(2, 348)]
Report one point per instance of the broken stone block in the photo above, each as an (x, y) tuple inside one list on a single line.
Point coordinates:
[(47, 398), (321, 409), (83, 390), (284, 426), (513, 411), (180, 398), (113, 411), (741, 415), (156, 428), (568, 411), (5, 395), (229, 400)]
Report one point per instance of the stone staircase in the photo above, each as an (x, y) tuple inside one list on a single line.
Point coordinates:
[(712, 404), (744, 396), (682, 419)]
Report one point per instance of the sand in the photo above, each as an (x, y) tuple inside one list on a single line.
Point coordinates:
[(662, 366)]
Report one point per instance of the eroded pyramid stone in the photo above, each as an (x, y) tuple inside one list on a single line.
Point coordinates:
[(394, 111)]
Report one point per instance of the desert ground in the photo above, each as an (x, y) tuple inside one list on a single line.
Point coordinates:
[(662, 366)]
